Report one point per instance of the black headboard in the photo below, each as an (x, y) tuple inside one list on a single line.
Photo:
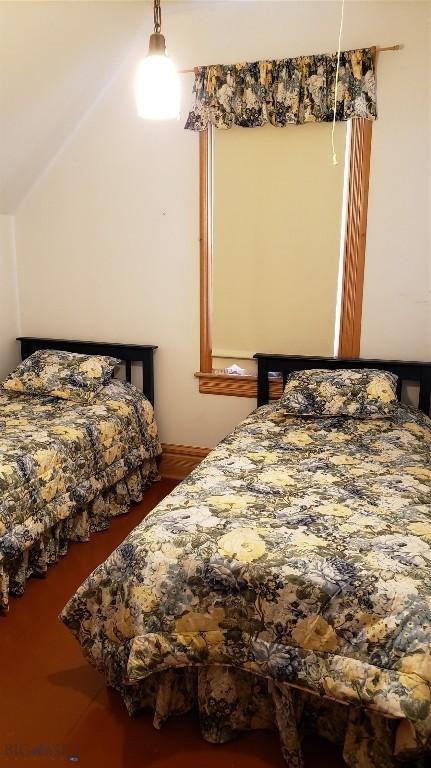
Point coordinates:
[(418, 372), (128, 353)]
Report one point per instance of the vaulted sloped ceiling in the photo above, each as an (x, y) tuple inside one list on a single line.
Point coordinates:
[(55, 60)]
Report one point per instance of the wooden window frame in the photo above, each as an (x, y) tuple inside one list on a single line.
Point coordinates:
[(353, 264)]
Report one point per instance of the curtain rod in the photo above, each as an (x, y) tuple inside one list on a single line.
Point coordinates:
[(396, 47)]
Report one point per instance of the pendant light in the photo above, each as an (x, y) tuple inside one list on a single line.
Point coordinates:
[(157, 85)]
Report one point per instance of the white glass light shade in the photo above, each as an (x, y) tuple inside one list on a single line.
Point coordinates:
[(157, 88)]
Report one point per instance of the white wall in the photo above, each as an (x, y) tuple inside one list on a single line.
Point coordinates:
[(9, 325), (396, 320), (107, 240)]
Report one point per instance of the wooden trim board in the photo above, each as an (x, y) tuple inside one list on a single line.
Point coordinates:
[(177, 461), (205, 247), (356, 233), (236, 386)]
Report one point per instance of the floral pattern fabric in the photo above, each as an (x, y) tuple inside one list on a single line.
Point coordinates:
[(362, 392), (66, 375), (284, 91), (57, 459), (296, 556), (53, 542)]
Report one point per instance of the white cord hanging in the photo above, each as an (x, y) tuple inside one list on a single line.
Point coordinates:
[(334, 154)]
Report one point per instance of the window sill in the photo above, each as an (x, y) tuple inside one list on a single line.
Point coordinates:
[(236, 386)]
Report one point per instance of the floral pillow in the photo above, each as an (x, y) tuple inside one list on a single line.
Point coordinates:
[(363, 393), (66, 375)]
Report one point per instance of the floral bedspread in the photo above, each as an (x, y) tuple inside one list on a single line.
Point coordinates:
[(297, 556), (56, 455)]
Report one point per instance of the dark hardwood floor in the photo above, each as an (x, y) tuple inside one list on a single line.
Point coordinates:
[(55, 709)]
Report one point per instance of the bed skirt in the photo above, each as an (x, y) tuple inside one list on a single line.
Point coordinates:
[(47, 547), (231, 700)]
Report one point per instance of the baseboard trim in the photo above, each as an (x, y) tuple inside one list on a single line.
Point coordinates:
[(177, 461)]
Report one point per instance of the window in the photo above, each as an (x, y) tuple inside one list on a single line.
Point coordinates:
[(272, 279)]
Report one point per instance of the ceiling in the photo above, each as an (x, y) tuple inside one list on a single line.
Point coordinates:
[(55, 60)]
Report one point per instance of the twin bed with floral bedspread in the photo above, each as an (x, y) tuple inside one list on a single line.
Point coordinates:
[(286, 583), (76, 447)]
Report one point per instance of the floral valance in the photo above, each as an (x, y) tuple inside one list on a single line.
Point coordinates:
[(284, 91)]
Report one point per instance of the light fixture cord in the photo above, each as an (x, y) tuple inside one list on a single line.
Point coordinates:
[(157, 16), (334, 154)]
